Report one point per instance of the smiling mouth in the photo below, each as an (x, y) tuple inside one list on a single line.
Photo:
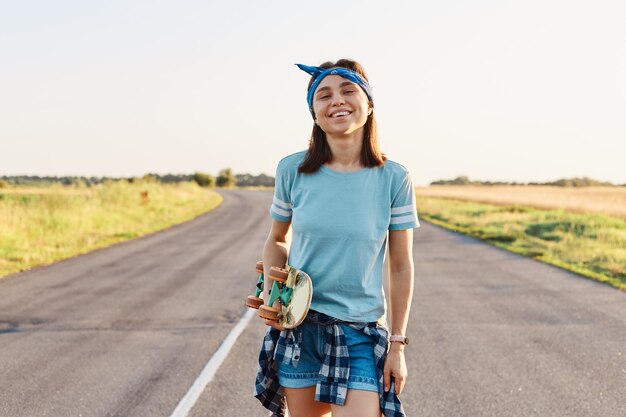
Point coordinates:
[(340, 114)]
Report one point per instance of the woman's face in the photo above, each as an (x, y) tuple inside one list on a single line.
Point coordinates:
[(340, 106)]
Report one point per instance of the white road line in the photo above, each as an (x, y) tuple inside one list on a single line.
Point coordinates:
[(210, 369)]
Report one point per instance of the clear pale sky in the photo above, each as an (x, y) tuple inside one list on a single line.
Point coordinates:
[(505, 90)]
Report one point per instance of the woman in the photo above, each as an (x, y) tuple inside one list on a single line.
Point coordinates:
[(342, 202)]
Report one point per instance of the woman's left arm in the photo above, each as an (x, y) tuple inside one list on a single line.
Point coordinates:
[(400, 294)]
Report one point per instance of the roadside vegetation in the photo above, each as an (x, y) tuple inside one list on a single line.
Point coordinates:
[(610, 200), (563, 182), (590, 244), (224, 179), (41, 225)]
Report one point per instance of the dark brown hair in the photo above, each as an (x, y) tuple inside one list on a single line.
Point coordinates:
[(319, 151)]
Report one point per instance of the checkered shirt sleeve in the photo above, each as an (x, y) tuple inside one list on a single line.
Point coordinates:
[(267, 389)]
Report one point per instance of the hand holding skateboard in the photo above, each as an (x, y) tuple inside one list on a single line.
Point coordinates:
[(290, 295)]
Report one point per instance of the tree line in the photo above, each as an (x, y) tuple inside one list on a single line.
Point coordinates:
[(564, 182), (225, 178)]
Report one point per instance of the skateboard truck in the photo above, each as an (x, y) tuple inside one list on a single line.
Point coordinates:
[(255, 301), (293, 290)]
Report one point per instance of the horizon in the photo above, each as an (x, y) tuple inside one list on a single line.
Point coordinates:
[(472, 181), (502, 91)]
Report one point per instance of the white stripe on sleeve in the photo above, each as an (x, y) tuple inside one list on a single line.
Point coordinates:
[(404, 219), (279, 211), (281, 203), (402, 210)]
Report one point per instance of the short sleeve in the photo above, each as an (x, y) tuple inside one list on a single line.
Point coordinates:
[(281, 204), (403, 212)]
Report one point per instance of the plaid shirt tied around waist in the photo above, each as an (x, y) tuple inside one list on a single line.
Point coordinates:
[(332, 384)]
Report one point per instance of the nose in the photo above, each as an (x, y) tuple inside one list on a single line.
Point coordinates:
[(338, 100)]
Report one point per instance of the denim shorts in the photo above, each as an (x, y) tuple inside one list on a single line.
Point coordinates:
[(363, 371)]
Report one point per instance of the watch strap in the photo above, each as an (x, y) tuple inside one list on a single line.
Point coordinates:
[(399, 338)]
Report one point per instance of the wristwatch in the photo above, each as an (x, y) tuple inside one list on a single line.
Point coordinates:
[(398, 338)]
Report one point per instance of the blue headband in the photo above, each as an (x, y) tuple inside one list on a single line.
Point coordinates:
[(319, 73)]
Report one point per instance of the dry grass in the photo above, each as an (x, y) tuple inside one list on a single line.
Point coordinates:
[(606, 200), (47, 190), (41, 225)]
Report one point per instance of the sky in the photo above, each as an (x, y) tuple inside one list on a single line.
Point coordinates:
[(504, 90)]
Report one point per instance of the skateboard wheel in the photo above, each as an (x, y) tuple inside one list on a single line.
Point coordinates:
[(278, 274), (259, 267), (254, 302), (268, 312)]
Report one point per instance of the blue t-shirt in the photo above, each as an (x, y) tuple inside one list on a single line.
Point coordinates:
[(339, 226)]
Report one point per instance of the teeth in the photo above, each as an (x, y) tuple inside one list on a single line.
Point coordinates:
[(341, 113)]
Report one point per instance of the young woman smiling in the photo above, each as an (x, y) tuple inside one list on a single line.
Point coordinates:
[(345, 203)]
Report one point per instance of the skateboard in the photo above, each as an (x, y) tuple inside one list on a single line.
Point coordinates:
[(293, 289)]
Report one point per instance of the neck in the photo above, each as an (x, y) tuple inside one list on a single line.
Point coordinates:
[(345, 150)]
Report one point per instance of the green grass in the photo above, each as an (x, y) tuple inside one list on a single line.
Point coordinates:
[(591, 245), (46, 225)]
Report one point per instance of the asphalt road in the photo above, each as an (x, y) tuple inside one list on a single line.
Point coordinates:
[(125, 331)]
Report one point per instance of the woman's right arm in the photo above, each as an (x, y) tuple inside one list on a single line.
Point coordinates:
[(275, 253)]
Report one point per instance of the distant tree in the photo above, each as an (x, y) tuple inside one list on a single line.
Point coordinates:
[(204, 180), (266, 180), (579, 182), (226, 178), (171, 178), (461, 180), (564, 182), (80, 183), (248, 180)]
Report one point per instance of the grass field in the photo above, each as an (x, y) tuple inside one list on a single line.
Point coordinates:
[(607, 200), (39, 226), (590, 244)]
